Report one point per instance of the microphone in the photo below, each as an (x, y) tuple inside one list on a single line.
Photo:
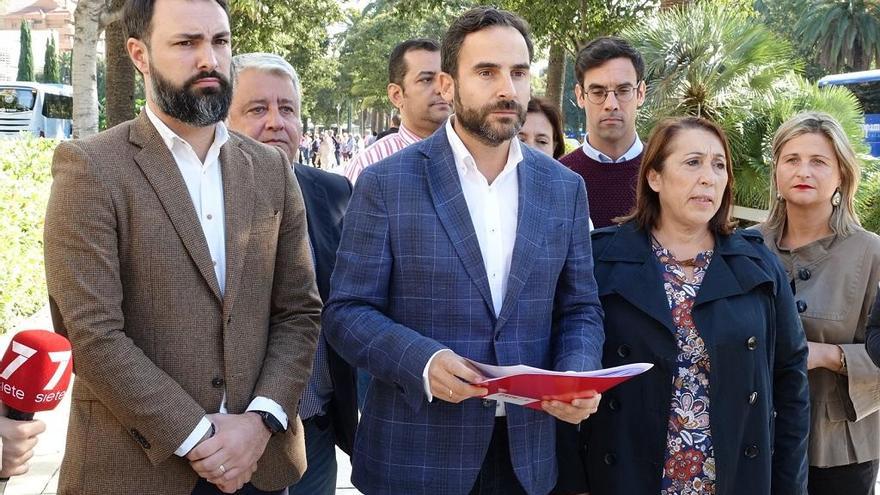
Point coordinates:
[(34, 373)]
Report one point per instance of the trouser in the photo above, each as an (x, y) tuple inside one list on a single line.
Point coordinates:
[(320, 475), (205, 488), (496, 474), (852, 479)]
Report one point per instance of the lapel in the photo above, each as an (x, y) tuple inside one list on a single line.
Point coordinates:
[(444, 187), (238, 204), (633, 273), (158, 165), (534, 195), (732, 271)]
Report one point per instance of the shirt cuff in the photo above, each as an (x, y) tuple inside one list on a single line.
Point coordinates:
[(269, 406), (425, 380), (193, 439)]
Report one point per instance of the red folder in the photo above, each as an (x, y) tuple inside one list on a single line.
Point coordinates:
[(528, 386)]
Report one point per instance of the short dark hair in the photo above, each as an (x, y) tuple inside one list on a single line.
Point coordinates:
[(646, 212), (603, 49), (477, 19), (397, 64), (540, 105), (137, 15)]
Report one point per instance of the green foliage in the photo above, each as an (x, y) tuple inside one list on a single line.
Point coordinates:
[(25, 55), (51, 72), (294, 29), (24, 190), (713, 60), (845, 34), (367, 43)]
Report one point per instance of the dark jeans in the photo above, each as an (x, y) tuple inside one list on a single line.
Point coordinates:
[(205, 488), (852, 479), (320, 475), (496, 475)]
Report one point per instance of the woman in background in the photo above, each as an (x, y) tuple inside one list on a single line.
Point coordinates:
[(543, 128), (834, 267)]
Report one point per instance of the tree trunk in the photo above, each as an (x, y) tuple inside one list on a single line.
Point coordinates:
[(556, 75), (119, 106), (87, 30)]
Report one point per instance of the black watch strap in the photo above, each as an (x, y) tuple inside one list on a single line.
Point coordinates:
[(271, 422)]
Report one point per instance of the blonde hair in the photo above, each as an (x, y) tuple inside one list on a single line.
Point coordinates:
[(843, 218)]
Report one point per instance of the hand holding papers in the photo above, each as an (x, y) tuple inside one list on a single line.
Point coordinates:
[(528, 386)]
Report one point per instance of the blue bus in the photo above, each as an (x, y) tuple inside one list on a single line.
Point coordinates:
[(44, 110), (866, 86)]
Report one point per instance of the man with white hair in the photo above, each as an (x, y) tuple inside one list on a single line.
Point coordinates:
[(265, 106)]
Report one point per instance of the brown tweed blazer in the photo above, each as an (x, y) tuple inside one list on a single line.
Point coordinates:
[(131, 283)]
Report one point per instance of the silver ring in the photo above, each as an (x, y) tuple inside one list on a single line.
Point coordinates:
[(222, 469)]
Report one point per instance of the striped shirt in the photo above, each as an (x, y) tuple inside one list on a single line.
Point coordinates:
[(378, 151)]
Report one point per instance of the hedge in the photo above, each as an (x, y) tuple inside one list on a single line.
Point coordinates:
[(25, 178)]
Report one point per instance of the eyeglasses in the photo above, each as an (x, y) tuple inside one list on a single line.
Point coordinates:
[(624, 92)]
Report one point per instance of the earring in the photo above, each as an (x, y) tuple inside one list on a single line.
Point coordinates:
[(835, 198), (779, 197)]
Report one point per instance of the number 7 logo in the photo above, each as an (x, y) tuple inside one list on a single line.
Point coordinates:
[(24, 353)]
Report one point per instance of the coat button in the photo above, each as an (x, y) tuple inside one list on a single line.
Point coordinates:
[(229, 321), (497, 336), (804, 274), (488, 403), (218, 382), (624, 351), (801, 305), (751, 451), (753, 397), (614, 404), (752, 343), (610, 459)]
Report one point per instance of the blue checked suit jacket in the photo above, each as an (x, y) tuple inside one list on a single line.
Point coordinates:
[(410, 281)]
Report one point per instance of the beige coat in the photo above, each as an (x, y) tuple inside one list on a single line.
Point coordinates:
[(836, 278), (131, 283)]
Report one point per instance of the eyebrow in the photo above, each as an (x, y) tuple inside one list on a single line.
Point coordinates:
[(426, 73), (493, 65), (700, 153), (200, 36), (266, 101)]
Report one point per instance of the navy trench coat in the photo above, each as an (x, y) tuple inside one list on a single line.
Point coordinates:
[(759, 400)]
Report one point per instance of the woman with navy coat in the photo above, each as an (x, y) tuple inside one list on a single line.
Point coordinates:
[(725, 409)]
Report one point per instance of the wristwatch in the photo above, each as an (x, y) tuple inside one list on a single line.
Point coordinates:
[(842, 361), (270, 422)]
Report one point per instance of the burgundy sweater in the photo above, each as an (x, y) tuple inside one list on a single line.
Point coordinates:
[(611, 187)]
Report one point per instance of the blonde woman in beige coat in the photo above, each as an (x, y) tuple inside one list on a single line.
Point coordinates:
[(834, 265)]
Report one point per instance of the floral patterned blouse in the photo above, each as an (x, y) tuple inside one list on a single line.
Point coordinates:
[(689, 465)]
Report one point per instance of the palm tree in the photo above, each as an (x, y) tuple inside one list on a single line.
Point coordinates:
[(717, 62), (845, 33)]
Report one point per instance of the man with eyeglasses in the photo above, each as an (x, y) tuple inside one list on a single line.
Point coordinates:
[(610, 88)]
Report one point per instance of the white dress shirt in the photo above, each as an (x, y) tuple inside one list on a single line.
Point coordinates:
[(493, 209), (597, 155), (204, 181)]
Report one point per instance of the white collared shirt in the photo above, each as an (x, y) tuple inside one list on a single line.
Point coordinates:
[(493, 209), (204, 181), (597, 155)]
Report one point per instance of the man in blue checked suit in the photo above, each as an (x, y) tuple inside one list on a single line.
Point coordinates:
[(465, 245)]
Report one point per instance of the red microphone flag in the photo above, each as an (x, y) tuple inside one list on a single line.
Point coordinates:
[(35, 371)]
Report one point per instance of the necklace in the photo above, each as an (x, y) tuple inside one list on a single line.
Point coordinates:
[(688, 263)]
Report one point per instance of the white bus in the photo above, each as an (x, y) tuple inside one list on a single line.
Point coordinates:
[(44, 110)]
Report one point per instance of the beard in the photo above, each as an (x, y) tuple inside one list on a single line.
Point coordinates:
[(475, 120), (198, 107)]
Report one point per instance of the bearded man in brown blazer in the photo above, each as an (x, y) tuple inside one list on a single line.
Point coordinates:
[(178, 264)]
